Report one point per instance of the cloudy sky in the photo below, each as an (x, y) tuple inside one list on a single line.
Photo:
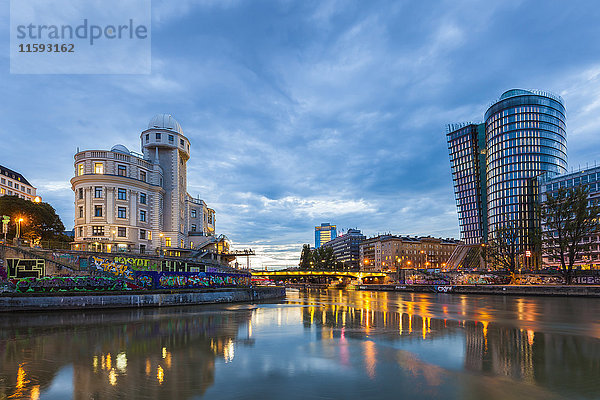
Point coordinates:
[(303, 112)]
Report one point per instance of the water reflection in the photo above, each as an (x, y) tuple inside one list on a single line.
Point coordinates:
[(316, 344)]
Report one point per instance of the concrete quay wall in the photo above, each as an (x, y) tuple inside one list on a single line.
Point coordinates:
[(513, 290), (60, 301)]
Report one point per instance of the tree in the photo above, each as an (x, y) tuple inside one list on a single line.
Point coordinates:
[(305, 257), (40, 221), (567, 219), (502, 249)]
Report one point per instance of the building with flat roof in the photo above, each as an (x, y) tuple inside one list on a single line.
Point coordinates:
[(346, 248), (324, 234), (126, 201), (13, 183), (388, 253)]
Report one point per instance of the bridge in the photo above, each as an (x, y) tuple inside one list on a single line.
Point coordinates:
[(281, 275)]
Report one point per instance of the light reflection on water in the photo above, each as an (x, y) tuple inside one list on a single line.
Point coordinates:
[(316, 344)]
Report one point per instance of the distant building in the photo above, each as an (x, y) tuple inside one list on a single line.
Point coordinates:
[(13, 183), (126, 201), (346, 248), (549, 184), (390, 253), (324, 234)]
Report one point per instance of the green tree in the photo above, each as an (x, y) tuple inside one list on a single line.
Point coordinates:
[(40, 221), (568, 218), (305, 257), (502, 249)]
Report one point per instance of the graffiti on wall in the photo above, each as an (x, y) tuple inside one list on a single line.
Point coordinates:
[(66, 258), (25, 268), (72, 283), (140, 264), (189, 280), (111, 267)]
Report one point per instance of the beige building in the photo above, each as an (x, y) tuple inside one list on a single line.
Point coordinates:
[(389, 252), (126, 201), (13, 183)]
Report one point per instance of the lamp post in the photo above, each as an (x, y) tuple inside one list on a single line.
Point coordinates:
[(160, 250), (19, 228)]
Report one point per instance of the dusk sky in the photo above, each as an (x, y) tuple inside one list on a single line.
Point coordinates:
[(307, 112)]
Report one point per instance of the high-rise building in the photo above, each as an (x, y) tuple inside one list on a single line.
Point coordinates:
[(324, 234), (466, 145), (13, 183), (524, 137), (127, 201), (346, 248)]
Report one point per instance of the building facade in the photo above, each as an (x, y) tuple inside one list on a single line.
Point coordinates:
[(126, 201), (13, 183), (524, 137), (466, 146), (324, 234), (346, 248), (388, 253), (589, 177)]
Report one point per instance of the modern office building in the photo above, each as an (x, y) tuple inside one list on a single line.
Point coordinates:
[(324, 234), (346, 248), (13, 183), (390, 253), (127, 201), (524, 137), (589, 177), (466, 145)]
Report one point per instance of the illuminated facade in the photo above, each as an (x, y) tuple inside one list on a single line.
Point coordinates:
[(127, 201), (466, 145), (346, 248), (525, 137), (324, 234), (13, 183), (495, 164)]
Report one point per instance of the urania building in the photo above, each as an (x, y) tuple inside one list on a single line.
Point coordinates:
[(126, 201)]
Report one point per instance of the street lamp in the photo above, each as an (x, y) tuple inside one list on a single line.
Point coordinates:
[(19, 228), (160, 250)]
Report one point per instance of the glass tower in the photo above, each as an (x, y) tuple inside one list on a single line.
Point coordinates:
[(524, 138), (324, 234), (466, 145)]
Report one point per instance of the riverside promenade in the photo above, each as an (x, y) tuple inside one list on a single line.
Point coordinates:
[(502, 290), (15, 302)]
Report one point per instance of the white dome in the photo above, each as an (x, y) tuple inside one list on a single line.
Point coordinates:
[(119, 148), (165, 121)]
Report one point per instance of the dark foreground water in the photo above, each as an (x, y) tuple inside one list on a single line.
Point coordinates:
[(314, 345)]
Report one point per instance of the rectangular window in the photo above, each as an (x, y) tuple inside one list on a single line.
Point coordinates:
[(142, 198), (22, 188), (28, 191), (80, 169), (80, 211), (171, 138), (143, 176), (98, 168), (193, 228), (10, 192), (142, 234), (3, 181), (122, 232), (193, 213), (181, 142), (182, 244), (97, 231), (122, 194), (158, 136), (2, 191), (121, 212), (142, 215), (121, 170), (147, 137), (168, 242), (80, 231), (80, 193), (98, 192), (97, 211), (10, 183)]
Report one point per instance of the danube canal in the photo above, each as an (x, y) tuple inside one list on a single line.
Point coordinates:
[(316, 344)]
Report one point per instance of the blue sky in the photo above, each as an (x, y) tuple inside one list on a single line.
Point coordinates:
[(312, 111)]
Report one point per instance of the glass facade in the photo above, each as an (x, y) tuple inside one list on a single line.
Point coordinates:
[(324, 234), (524, 137), (466, 147)]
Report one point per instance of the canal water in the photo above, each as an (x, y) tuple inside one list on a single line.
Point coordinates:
[(316, 344)]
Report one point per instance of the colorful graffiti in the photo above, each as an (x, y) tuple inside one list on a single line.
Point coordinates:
[(65, 284), (66, 258), (189, 280), (25, 268), (111, 267)]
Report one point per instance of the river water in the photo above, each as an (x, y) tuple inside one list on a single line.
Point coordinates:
[(316, 344)]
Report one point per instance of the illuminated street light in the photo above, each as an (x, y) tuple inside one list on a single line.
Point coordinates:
[(19, 228)]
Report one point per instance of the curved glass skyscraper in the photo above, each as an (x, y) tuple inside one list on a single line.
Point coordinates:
[(524, 138)]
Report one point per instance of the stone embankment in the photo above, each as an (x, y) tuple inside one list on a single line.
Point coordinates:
[(85, 301), (514, 290)]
